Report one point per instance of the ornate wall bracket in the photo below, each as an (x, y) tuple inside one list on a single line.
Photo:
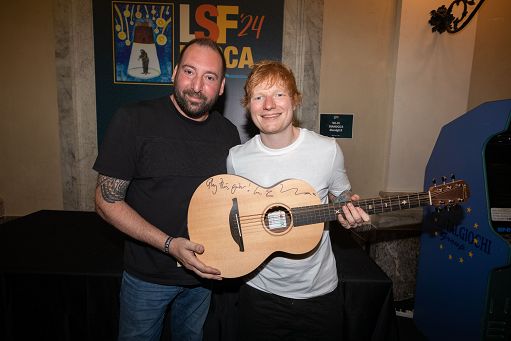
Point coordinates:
[(443, 19)]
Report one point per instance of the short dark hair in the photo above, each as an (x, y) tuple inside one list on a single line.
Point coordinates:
[(208, 43)]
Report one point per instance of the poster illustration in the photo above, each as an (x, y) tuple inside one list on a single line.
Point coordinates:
[(143, 42)]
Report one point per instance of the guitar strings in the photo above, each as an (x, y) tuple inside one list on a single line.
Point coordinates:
[(254, 222), (330, 207)]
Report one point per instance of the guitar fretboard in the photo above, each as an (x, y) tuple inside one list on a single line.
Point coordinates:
[(327, 212)]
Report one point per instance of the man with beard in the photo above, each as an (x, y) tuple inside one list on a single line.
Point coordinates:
[(154, 155)]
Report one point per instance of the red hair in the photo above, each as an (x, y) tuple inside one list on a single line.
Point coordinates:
[(271, 72)]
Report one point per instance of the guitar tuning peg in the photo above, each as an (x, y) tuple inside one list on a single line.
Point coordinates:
[(453, 177), (434, 181), (443, 179)]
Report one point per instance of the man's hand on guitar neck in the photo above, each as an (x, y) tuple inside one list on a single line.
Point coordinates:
[(184, 250), (353, 216)]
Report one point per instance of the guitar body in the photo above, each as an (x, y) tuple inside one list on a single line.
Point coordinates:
[(241, 224)]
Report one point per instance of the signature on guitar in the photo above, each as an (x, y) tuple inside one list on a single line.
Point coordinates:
[(215, 184)]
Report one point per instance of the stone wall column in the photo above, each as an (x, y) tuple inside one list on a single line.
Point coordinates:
[(301, 50), (76, 96)]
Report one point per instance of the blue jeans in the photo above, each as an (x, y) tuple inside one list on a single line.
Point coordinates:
[(143, 307)]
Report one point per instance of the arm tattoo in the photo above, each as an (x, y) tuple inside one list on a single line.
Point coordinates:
[(112, 189), (343, 197)]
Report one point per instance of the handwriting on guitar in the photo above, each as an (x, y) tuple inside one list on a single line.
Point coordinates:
[(219, 184)]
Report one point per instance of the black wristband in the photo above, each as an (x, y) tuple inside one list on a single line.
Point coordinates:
[(167, 244)]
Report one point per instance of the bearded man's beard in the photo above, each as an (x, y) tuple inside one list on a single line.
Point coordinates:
[(194, 111)]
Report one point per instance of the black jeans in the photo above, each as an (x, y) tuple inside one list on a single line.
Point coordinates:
[(266, 316)]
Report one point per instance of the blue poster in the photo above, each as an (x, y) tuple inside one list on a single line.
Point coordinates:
[(143, 39)]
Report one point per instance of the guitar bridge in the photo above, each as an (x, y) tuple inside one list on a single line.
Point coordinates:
[(235, 225)]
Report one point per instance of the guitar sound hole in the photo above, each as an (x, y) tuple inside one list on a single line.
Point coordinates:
[(277, 219)]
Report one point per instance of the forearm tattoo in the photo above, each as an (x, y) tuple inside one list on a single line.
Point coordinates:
[(343, 197), (112, 189)]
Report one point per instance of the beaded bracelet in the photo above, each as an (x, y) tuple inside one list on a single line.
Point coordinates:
[(167, 244)]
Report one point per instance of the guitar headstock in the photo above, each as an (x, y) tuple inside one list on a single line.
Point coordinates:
[(448, 194)]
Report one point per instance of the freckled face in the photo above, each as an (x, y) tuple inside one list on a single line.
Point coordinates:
[(271, 108), (198, 81)]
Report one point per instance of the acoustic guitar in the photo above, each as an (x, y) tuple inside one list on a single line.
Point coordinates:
[(241, 223)]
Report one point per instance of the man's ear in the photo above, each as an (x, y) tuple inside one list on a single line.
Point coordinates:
[(174, 73), (222, 85)]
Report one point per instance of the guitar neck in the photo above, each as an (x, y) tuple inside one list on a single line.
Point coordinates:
[(307, 215)]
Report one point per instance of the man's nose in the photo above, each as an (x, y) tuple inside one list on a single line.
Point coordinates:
[(269, 103), (197, 84)]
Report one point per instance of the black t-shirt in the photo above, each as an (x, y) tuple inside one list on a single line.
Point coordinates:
[(165, 156)]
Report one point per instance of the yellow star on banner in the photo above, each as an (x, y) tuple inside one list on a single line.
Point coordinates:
[(470, 254), (450, 257), (476, 225), (476, 241), (469, 210), (461, 260)]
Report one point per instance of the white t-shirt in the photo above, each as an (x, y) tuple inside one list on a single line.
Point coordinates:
[(319, 161)]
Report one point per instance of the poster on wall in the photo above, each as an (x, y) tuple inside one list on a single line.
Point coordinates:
[(142, 42), (137, 44)]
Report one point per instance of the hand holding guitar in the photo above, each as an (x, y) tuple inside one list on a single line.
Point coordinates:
[(184, 251), (353, 216)]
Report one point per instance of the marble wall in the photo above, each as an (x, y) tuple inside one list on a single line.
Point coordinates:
[(303, 28), (394, 246), (74, 54)]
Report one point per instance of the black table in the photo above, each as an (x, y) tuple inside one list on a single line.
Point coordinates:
[(60, 275), (369, 312)]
